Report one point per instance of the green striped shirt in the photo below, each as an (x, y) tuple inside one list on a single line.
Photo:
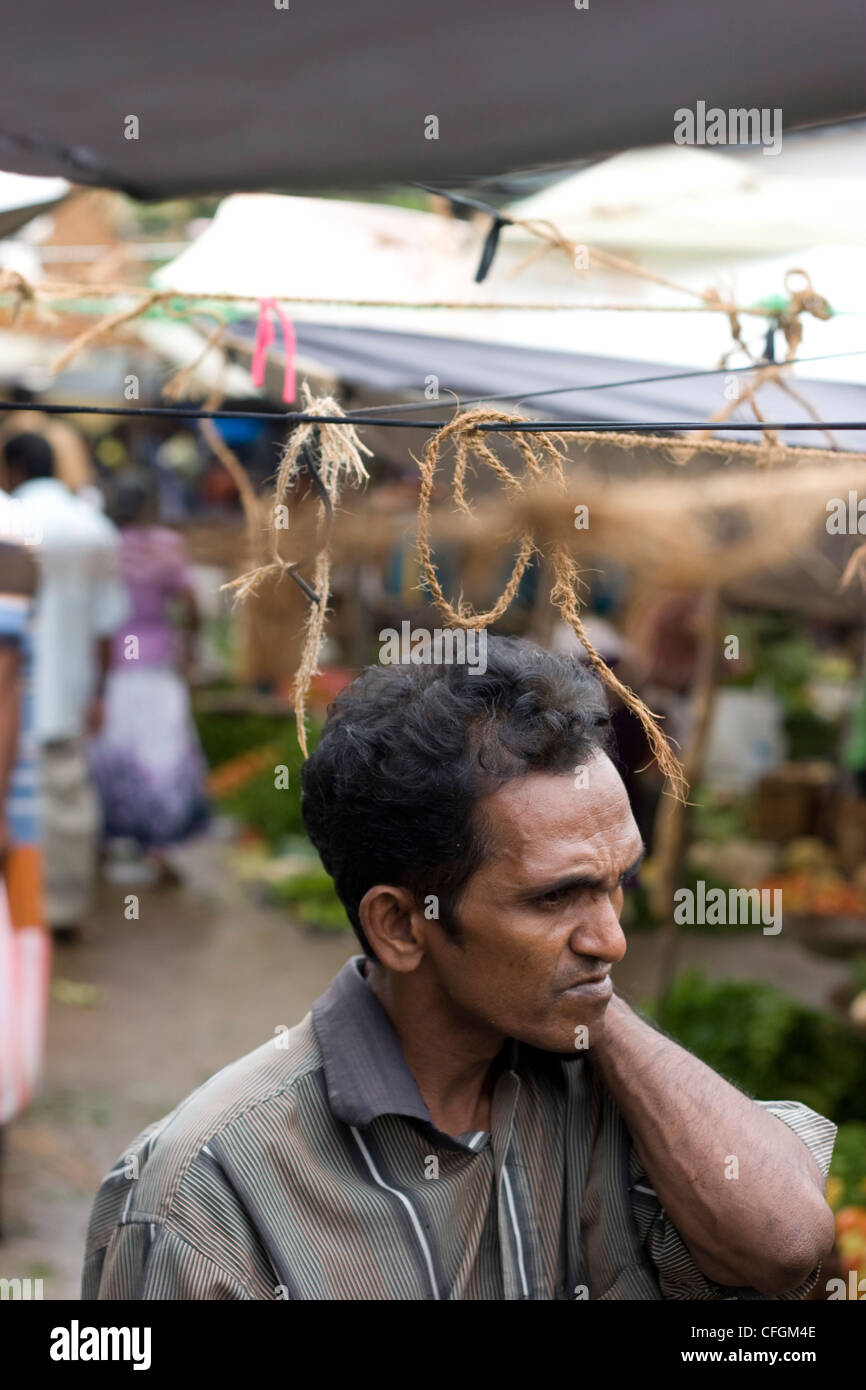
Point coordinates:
[(311, 1169)]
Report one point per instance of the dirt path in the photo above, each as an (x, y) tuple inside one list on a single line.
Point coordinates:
[(202, 978)]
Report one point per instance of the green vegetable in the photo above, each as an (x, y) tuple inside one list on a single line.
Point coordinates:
[(768, 1044), (849, 1163), (275, 812), (314, 899)]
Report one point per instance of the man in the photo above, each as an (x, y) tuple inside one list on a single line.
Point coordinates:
[(81, 604), (470, 1111)]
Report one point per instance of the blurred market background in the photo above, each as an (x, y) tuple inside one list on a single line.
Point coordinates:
[(239, 929)]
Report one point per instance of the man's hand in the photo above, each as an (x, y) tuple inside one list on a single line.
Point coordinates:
[(96, 708), (768, 1228)]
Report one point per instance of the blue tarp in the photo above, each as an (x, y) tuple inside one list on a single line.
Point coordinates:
[(394, 363)]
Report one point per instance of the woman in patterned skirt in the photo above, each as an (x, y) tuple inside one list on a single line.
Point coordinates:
[(147, 761)]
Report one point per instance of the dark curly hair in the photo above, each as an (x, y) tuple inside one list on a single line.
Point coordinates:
[(407, 750)]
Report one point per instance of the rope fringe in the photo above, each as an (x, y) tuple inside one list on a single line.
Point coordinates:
[(543, 460), (340, 462)]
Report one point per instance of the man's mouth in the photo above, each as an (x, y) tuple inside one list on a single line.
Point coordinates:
[(594, 987)]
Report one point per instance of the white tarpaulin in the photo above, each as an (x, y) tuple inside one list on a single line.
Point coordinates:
[(262, 245), (22, 198)]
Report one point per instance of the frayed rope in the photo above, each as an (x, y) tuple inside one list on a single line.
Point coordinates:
[(543, 459), (340, 462)]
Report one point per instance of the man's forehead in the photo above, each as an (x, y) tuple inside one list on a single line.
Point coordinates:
[(540, 814)]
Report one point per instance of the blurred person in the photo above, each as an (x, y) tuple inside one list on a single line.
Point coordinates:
[(81, 603), (666, 632), (24, 942), (73, 463), (147, 761), (471, 1111)]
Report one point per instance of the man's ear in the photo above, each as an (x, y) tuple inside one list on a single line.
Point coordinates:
[(392, 925)]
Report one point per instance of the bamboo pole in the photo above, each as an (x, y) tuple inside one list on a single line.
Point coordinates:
[(671, 822)]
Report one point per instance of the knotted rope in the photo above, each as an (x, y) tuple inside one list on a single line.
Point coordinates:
[(543, 460), (339, 462), (804, 300), (13, 282)]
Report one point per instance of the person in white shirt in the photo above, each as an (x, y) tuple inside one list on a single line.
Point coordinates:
[(81, 604)]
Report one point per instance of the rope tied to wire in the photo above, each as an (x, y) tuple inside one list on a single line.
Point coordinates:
[(340, 462), (13, 282), (543, 460), (803, 300)]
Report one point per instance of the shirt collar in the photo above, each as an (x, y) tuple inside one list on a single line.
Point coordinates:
[(365, 1071), (34, 485)]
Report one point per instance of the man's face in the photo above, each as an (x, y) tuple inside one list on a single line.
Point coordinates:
[(539, 920)]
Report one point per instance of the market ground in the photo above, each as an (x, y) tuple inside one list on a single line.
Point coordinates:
[(143, 1011)]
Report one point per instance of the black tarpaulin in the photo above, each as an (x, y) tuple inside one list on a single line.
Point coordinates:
[(234, 95)]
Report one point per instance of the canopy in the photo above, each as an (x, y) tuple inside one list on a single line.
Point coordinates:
[(292, 95), (680, 199), (265, 245), (397, 363)]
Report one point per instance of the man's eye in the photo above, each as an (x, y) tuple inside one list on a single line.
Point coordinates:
[(556, 895)]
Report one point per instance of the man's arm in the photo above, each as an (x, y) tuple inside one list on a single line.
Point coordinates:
[(147, 1261), (767, 1228), (102, 664), (109, 607)]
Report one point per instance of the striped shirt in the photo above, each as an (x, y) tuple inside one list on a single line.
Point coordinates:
[(311, 1169)]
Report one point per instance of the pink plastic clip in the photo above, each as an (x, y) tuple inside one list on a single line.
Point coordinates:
[(265, 335)]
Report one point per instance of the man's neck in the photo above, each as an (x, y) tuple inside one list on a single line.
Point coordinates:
[(452, 1060)]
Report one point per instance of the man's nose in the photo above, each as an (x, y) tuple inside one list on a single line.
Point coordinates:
[(599, 933)]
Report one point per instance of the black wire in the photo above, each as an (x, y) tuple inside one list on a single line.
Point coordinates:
[(602, 386), (650, 426), (493, 426), (365, 413), (371, 410), (312, 469)]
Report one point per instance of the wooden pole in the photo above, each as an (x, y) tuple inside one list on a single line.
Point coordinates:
[(671, 821)]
